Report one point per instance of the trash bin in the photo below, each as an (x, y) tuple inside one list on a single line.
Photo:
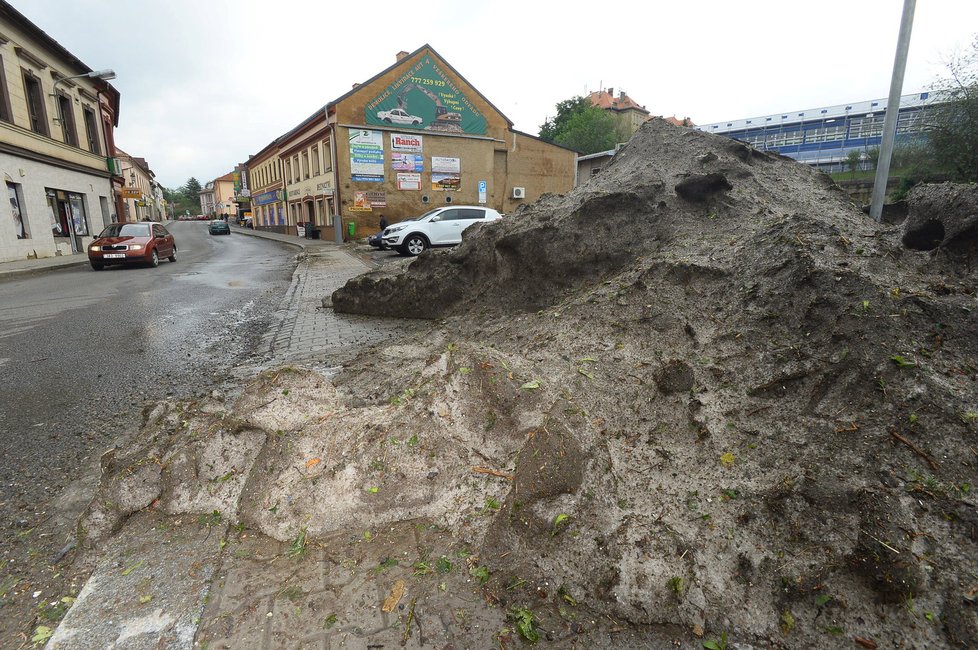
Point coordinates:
[(313, 232), (351, 229)]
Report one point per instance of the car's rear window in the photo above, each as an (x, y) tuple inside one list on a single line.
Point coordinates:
[(126, 230)]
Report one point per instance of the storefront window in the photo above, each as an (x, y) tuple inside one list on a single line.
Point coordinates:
[(67, 213), (78, 217), (20, 219), (59, 220)]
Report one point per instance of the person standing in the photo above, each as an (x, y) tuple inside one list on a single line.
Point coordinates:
[(383, 222)]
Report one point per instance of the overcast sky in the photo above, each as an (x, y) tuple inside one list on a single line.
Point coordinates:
[(206, 83)]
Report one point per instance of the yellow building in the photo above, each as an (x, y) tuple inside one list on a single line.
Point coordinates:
[(415, 136), (267, 189), (53, 144)]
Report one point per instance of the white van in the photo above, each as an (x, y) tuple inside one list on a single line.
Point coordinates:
[(438, 227)]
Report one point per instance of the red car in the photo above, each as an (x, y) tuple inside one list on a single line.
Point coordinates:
[(132, 243)]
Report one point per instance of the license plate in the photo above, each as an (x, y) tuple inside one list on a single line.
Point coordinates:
[(114, 256)]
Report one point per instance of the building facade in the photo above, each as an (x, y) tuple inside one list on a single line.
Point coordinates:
[(268, 189), (217, 197), (414, 137), (823, 137), (53, 144), (142, 195)]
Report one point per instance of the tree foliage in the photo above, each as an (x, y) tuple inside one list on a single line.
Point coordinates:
[(953, 126), (949, 150), (590, 131), (580, 126), (853, 158), (191, 188), (566, 109)]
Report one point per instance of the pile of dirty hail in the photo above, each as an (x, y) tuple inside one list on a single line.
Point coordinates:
[(700, 398)]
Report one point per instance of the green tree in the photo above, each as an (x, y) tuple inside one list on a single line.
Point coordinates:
[(953, 125), (590, 131), (949, 150), (191, 188), (567, 109), (853, 158), (873, 156)]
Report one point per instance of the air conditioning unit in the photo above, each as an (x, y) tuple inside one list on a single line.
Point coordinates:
[(519, 192)]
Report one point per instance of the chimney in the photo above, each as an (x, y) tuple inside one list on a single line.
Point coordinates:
[(400, 55), (356, 84), (611, 91)]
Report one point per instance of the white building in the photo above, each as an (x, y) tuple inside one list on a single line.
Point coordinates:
[(53, 145)]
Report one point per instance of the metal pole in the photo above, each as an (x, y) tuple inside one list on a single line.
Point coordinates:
[(892, 111)]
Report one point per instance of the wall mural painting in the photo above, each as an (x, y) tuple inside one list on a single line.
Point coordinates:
[(426, 98)]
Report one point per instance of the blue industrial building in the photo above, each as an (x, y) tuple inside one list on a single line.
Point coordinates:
[(823, 137)]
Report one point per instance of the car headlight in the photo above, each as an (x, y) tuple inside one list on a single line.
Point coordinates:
[(95, 249), (394, 229), (135, 247)]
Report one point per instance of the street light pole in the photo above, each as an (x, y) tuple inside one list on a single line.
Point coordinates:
[(892, 111), (104, 75)]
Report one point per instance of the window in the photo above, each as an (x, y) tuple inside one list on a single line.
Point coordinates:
[(78, 218), (288, 170), (17, 212), (305, 165), (472, 213), (295, 166), (5, 113), (315, 161), (35, 104), (91, 131), (66, 115), (327, 157)]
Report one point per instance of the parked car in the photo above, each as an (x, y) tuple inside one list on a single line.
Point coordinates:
[(439, 227), (377, 240), (132, 243), (219, 227)]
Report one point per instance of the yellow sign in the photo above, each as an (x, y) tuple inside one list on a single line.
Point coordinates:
[(132, 193)]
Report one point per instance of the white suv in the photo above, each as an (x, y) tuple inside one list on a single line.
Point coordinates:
[(438, 227)]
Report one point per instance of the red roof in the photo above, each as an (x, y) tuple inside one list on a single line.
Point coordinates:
[(606, 99)]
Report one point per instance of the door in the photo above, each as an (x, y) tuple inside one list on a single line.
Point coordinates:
[(448, 228), (164, 241)]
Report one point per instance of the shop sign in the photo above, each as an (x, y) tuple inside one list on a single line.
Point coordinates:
[(361, 203), (426, 98), (132, 193), (445, 182), (409, 181), (404, 142), (266, 197), (407, 162), (446, 165), (325, 187), (366, 156), (377, 199)]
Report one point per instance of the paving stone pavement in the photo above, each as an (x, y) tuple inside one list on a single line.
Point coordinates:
[(308, 332)]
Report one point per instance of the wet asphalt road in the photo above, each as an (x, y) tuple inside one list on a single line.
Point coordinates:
[(82, 351)]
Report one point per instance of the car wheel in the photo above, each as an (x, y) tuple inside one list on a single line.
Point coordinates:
[(98, 266), (154, 259), (415, 245), (416, 122), (173, 255)]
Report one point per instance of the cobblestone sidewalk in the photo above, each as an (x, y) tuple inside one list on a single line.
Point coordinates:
[(307, 331)]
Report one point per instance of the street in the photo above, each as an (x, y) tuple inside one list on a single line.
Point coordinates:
[(82, 352)]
